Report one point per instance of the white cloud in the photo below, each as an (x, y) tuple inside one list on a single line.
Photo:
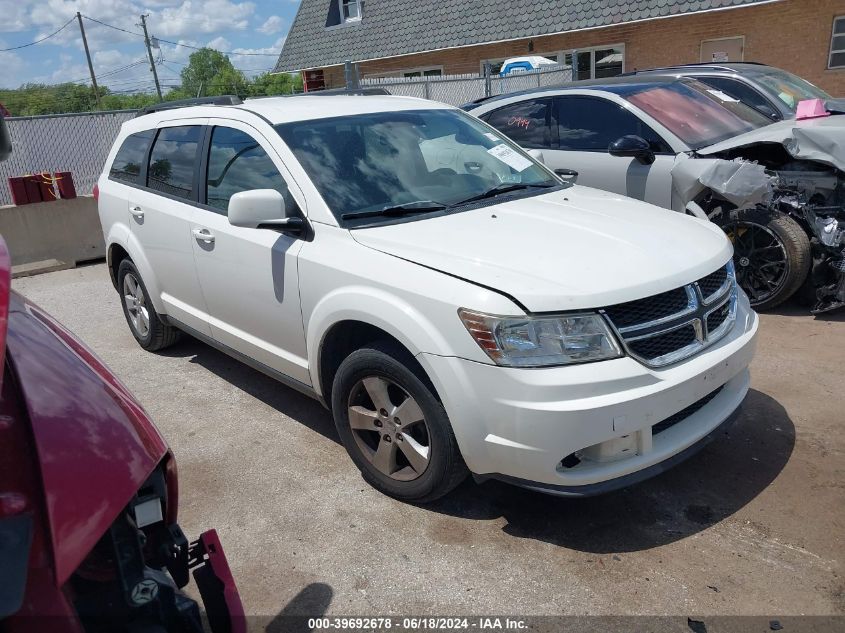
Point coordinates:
[(274, 24), (211, 16), (220, 43)]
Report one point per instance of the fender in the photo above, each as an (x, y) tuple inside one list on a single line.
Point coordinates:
[(416, 331), (120, 234)]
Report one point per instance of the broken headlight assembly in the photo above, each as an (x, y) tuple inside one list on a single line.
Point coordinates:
[(543, 341)]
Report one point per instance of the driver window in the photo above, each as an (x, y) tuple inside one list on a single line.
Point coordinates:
[(590, 124), (236, 162)]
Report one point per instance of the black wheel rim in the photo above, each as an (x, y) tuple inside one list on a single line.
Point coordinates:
[(760, 259)]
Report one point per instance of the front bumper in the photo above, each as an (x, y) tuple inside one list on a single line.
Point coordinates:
[(586, 428)]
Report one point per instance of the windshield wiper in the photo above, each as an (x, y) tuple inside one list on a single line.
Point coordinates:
[(504, 187), (420, 206)]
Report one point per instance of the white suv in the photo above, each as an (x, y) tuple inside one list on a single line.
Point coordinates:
[(457, 306)]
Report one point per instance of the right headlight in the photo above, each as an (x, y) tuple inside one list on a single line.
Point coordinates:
[(524, 341)]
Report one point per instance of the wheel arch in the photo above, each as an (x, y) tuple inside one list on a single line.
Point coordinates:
[(344, 337), (122, 244)]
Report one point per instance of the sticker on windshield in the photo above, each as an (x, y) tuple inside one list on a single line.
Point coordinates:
[(492, 136), (509, 157), (721, 96)]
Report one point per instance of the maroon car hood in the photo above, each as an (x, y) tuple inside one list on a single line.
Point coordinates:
[(96, 446)]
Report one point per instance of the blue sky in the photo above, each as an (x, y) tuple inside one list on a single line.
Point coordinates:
[(253, 31)]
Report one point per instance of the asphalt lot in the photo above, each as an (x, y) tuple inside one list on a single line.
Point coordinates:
[(752, 525)]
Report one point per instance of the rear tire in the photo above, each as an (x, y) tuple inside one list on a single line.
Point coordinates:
[(771, 254), (393, 425), (144, 322)]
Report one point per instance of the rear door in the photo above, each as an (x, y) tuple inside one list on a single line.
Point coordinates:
[(586, 126), (249, 277), (161, 213)]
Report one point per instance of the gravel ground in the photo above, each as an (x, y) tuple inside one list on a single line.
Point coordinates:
[(752, 525)]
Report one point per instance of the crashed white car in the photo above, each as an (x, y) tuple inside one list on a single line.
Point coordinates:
[(777, 189)]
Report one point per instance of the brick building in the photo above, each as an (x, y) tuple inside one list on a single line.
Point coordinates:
[(598, 39)]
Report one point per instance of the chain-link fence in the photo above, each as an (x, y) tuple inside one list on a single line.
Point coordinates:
[(78, 143), (460, 89)]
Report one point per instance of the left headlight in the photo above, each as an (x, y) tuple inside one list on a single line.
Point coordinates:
[(523, 341)]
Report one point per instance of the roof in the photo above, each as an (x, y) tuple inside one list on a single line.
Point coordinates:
[(400, 27), (609, 84), (287, 109)]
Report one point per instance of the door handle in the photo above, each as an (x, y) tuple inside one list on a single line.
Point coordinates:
[(203, 234), (137, 213)]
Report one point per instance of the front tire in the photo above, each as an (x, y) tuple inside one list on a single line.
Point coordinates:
[(771, 254), (144, 322), (393, 425)]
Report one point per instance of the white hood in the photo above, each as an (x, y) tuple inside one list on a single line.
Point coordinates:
[(566, 250)]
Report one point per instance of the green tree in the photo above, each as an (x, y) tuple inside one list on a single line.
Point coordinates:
[(210, 73), (268, 84)]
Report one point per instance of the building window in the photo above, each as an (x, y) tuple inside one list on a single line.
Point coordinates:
[(350, 10), (435, 71), (586, 63), (837, 44), (595, 63)]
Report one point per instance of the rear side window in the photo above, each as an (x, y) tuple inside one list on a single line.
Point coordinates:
[(130, 157), (173, 161), (236, 162), (527, 123), (592, 124), (741, 91)]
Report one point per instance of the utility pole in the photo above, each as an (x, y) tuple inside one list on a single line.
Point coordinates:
[(150, 54), (88, 56)]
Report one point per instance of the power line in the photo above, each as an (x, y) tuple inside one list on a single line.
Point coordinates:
[(196, 48), (112, 26), (46, 37)]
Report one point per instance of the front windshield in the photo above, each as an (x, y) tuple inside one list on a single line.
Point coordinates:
[(697, 114), (370, 162), (789, 88)]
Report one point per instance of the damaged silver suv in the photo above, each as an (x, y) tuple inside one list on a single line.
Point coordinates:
[(777, 189)]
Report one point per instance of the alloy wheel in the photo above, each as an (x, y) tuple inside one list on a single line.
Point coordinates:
[(136, 307), (760, 259), (389, 428)]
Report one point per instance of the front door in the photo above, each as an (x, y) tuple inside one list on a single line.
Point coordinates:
[(249, 277), (586, 126), (160, 215)]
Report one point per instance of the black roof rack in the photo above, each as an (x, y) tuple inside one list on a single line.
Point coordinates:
[(184, 103), (729, 66)]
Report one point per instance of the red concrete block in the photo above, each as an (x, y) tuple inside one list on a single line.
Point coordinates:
[(18, 189), (45, 185), (33, 188), (64, 180)]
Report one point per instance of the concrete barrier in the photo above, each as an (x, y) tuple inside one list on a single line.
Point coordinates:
[(52, 235)]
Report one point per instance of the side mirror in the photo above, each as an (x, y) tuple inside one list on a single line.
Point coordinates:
[(262, 209), (5, 140), (632, 146), (569, 175), (537, 155)]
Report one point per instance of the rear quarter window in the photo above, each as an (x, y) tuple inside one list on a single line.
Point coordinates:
[(129, 159)]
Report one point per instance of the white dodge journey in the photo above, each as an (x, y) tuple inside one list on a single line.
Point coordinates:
[(458, 307)]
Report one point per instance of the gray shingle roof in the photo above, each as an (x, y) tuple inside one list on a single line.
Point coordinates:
[(400, 27)]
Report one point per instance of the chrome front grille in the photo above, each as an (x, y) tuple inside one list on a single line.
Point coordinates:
[(674, 325)]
